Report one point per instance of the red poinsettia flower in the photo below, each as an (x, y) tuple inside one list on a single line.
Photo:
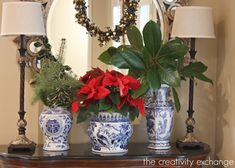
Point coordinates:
[(103, 89)]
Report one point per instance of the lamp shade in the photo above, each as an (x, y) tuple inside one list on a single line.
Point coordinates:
[(193, 22), (22, 18)]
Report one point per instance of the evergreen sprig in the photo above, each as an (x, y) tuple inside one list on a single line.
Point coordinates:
[(55, 84)]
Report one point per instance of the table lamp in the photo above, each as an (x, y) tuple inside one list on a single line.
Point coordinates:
[(192, 22), (22, 18)]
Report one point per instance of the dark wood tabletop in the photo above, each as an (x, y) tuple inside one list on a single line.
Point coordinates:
[(80, 155)]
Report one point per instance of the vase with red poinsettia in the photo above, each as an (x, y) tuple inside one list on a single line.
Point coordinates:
[(106, 99)]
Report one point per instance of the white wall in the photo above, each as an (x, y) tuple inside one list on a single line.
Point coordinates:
[(225, 127), (9, 94)]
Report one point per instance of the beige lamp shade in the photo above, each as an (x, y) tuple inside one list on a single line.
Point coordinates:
[(193, 22), (22, 18)]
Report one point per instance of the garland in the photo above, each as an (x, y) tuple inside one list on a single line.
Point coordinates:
[(129, 18)]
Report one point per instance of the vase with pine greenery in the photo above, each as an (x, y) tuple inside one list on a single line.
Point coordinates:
[(55, 86)]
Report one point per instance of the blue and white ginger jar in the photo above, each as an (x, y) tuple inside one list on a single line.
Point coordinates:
[(159, 114), (109, 133), (55, 124)]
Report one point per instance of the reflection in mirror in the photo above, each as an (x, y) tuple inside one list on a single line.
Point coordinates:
[(33, 50), (81, 51), (61, 24), (147, 11), (169, 2), (78, 51)]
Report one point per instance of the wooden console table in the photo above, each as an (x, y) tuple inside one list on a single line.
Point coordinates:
[(80, 156)]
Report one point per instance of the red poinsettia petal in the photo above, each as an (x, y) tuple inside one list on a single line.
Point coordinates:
[(87, 102), (123, 89), (109, 80), (122, 102), (101, 93), (139, 104), (91, 91), (116, 74), (92, 83), (84, 90), (85, 78), (98, 70), (91, 94), (75, 106), (99, 81), (94, 73), (133, 83)]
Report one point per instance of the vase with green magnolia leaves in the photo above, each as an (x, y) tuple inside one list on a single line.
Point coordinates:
[(153, 61)]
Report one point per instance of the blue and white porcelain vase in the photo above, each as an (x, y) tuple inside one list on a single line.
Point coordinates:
[(109, 133), (159, 115), (55, 124)]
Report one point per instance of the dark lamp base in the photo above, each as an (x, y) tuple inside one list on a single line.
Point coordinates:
[(189, 145), (21, 144)]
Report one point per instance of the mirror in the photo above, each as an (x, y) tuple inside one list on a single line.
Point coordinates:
[(82, 50), (60, 24)]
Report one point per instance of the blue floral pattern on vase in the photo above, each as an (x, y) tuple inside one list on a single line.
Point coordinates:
[(109, 133), (159, 116), (55, 124)]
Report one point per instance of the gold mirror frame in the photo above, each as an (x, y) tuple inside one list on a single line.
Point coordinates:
[(165, 13)]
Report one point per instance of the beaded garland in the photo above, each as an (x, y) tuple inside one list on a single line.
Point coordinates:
[(129, 18)]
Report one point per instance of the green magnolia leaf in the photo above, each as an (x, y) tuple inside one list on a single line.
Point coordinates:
[(180, 64), (118, 61), (166, 62), (152, 37), (132, 59), (135, 38), (193, 69), (203, 78), (134, 73), (106, 56), (177, 40), (176, 100), (147, 57), (170, 76), (173, 50), (141, 91), (153, 78), (126, 58)]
